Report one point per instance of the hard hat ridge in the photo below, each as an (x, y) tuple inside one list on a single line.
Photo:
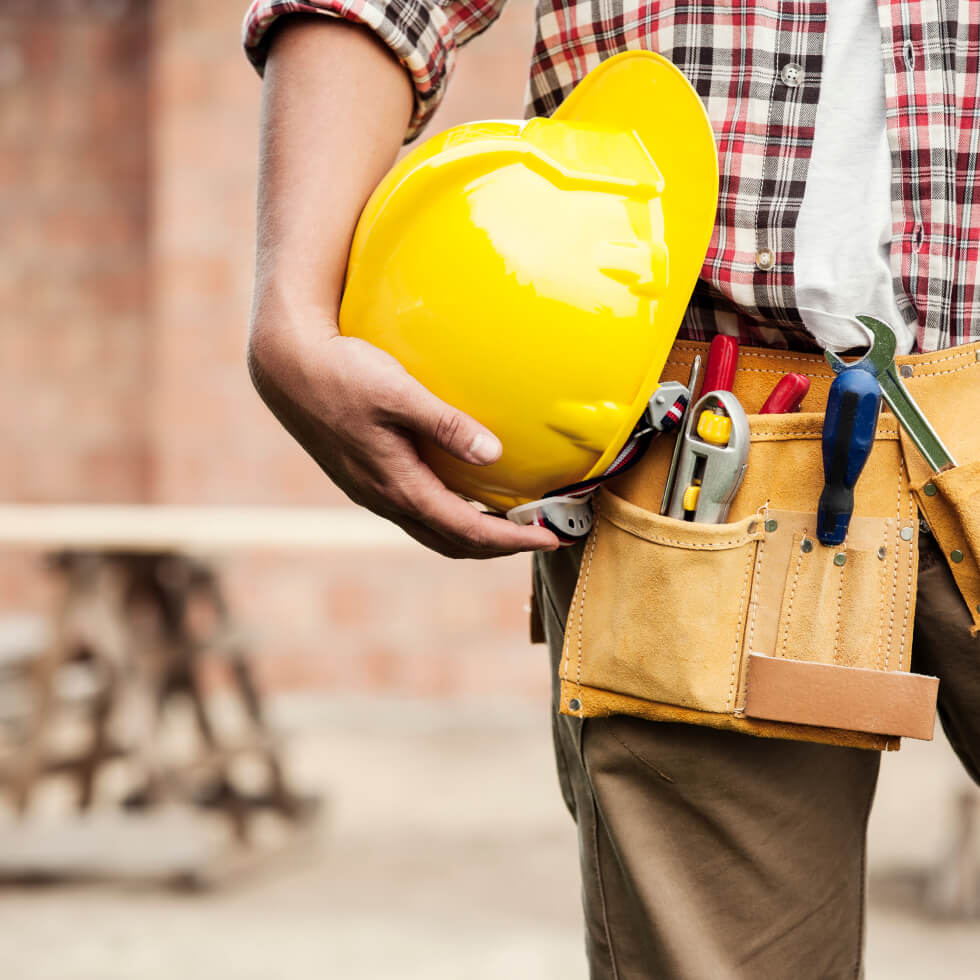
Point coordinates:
[(534, 274)]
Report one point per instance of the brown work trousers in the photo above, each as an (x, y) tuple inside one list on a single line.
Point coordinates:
[(711, 855)]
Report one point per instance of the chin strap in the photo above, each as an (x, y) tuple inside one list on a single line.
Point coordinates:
[(567, 512)]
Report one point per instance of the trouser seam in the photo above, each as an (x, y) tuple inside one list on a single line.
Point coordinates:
[(863, 916), (595, 856), (561, 753)]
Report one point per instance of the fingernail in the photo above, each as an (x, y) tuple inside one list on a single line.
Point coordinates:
[(485, 448)]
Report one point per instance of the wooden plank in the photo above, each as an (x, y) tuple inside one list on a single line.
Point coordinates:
[(162, 528)]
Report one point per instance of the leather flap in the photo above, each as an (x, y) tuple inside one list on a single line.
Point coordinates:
[(832, 696)]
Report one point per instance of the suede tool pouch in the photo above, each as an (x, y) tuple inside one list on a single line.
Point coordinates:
[(946, 386), (753, 625)]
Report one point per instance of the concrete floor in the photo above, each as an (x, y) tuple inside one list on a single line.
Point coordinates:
[(443, 852)]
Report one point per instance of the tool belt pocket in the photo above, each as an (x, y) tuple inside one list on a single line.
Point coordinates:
[(946, 385), (673, 633), (959, 488), (754, 625)]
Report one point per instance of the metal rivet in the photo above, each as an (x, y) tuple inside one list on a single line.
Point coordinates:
[(575, 705), (806, 546), (907, 533), (929, 489), (906, 370), (772, 525), (882, 551), (956, 555), (978, 609), (978, 355), (840, 558), (765, 259)]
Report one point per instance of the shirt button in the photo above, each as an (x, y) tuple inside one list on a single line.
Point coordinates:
[(765, 259), (791, 74)]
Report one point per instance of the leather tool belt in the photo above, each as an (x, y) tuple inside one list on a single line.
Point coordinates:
[(753, 625)]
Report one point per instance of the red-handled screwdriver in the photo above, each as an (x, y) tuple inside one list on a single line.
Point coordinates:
[(719, 374), (787, 396)]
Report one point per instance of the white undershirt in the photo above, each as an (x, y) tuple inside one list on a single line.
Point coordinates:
[(843, 235)]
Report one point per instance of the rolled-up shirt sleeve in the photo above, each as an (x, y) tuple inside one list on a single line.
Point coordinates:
[(423, 34)]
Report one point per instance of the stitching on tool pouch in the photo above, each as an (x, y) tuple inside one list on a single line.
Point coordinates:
[(969, 360), (926, 373), (840, 600), (772, 370), (908, 584), (781, 356), (922, 369), (891, 609), (738, 631), (571, 621), (789, 605), (707, 546), (581, 606), (629, 528), (882, 597), (756, 577), (884, 430)]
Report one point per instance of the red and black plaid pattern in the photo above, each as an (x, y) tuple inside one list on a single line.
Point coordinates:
[(736, 54)]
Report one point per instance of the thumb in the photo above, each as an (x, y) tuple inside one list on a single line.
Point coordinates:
[(450, 429)]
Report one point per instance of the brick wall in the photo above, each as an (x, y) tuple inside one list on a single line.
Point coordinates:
[(124, 284), (73, 275), (212, 440)]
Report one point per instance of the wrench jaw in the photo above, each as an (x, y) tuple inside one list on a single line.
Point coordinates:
[(880, 355), (880, 361)]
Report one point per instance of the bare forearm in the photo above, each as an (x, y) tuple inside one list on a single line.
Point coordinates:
[(334, 109), (335, 106)]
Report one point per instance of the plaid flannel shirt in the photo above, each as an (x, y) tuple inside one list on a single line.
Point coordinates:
[(734, 53)]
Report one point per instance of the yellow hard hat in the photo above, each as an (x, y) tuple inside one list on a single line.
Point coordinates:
[(534, 274)]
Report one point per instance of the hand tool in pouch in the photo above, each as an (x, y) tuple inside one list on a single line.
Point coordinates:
[(567, 512), (719, 375), (692, 385), (848, 435), (880, 361), (714, 454), (787, 396), (714, 443)]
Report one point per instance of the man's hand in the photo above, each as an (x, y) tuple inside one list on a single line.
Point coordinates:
[(335, 106), (357, 412)]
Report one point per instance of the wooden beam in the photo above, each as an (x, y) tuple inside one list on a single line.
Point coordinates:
[(160, 528)]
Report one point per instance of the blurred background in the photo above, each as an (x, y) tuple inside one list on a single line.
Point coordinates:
[(272, 737)]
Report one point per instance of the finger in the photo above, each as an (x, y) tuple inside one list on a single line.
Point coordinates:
[(455, 519), (442, 545), (449, 428), (404, 489)]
